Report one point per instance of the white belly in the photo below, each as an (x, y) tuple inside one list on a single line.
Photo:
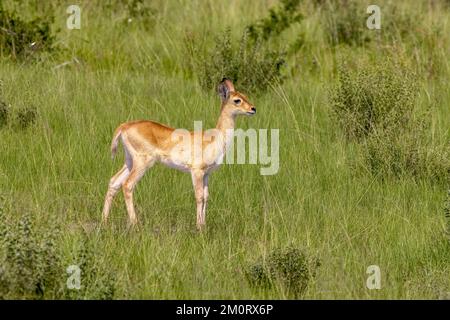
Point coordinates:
[(175, 165)]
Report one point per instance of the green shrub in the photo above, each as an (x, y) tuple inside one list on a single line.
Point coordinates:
[(374, 104), (33, 266), (253, 62), (251, 65), (22, 39), (289, 267), (257, 275), (30, 265), (373, 98)]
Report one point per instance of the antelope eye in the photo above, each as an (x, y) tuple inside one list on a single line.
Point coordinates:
[(237, 101)]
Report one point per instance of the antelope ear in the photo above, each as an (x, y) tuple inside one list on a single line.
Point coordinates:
[(225, 87)]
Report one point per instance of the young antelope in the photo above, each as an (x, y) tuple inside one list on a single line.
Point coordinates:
[(196, 152)]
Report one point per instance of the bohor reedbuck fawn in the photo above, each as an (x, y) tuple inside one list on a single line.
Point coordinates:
[(196, 152)]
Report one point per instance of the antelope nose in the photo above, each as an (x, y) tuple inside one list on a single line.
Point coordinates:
[(254, 109)]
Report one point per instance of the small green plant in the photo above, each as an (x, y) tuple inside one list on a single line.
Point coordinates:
[(288, 267), (26, 117), (4, 108), (21, 119), (4, 111)]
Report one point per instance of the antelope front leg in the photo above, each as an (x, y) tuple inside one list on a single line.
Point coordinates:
[(197, 181)]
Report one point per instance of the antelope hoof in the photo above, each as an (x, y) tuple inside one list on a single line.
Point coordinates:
[(200, 227), (132, 224)]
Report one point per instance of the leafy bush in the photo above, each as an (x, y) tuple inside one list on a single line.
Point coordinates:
[(22, 39), (257, 275), (251, 65), (373, 98), (375, 105), (33, 266), (30, 263), (290, 267)]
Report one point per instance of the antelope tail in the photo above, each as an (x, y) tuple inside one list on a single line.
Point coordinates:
[(115, 141)]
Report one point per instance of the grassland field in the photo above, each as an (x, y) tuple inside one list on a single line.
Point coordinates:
[(324, 199)]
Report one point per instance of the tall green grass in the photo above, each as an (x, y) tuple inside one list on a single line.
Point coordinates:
[(324, 200)]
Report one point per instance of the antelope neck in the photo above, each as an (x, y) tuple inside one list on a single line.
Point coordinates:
[(226, 120), (225, 125)]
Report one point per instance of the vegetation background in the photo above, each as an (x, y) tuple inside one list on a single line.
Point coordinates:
[(364, 149)]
